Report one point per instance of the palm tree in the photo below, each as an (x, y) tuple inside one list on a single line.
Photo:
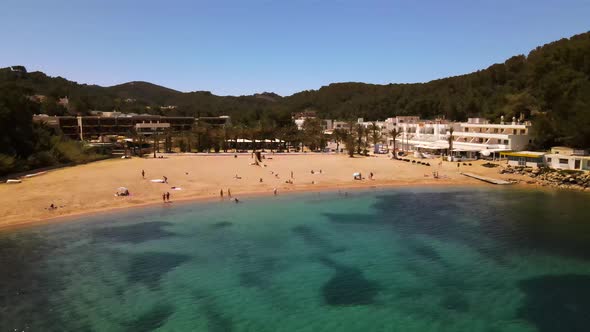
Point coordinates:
[(375, 133), (360, 131), (338, 135), (394, 133)]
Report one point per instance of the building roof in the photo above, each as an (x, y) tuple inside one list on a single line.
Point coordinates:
[(526, 154), (567, 156)]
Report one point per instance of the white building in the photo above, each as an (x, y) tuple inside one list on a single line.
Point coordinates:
[(478, 134), (416, 134), (472, 138), (568, 158)]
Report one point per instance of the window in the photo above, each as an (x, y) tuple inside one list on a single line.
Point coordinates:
[(563, 161), (548, 160)]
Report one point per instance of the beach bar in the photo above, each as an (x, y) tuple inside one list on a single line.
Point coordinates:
[(524, 158)]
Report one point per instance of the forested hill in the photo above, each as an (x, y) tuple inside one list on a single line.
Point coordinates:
[(551, 85)]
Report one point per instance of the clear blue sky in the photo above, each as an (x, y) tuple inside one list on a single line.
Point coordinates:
[(243, 47)]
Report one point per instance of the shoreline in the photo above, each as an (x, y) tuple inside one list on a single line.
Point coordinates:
[(19, 225), (86, 190)]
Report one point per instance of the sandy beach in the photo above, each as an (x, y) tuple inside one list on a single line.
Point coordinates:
[(91, 188)]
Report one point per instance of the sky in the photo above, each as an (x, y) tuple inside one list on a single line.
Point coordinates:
[(246, 47)]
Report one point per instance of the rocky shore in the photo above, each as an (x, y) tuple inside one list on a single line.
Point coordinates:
[(565, 179)]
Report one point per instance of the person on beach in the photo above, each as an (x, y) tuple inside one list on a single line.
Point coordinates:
[(275, 191), (260, 180), (371, 176), (164, 197), (236, 200), (228, 193), (165, 179), (221, 193), (168, 196), (143, 174), (291, 174)]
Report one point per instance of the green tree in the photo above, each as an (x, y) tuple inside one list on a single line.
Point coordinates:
[(313, 134), (394, 133)]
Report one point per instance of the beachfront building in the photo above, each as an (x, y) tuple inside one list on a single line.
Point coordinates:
[(97, 126), (568, 159), (480, 136), (418, 135), (472, 139), (531, 159)]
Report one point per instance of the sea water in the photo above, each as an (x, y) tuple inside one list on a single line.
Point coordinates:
[(453, 259)]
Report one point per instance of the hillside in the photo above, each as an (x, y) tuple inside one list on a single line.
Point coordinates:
[(551, 84)]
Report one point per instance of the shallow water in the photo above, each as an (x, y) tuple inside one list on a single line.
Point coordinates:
[(397, 260)]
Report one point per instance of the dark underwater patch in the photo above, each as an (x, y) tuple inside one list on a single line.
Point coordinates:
[(136, 233), (150, 320), (350, 218), (222, 224), (312, 238), (258, 273), (493, 223), (27, 284), (455, 301), (426, 252), (217, 320), (348, 286), (557, 302), (149, 268)]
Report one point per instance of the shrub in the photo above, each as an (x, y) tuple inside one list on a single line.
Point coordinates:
[(6, 163), (69, 151), (41, 159)]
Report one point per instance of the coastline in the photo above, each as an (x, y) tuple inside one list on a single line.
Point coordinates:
[(18, 225), (80, 197)]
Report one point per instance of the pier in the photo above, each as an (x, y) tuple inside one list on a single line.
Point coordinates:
[(487, 179)]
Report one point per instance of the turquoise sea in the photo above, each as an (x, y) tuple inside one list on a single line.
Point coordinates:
[(452, 259)]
